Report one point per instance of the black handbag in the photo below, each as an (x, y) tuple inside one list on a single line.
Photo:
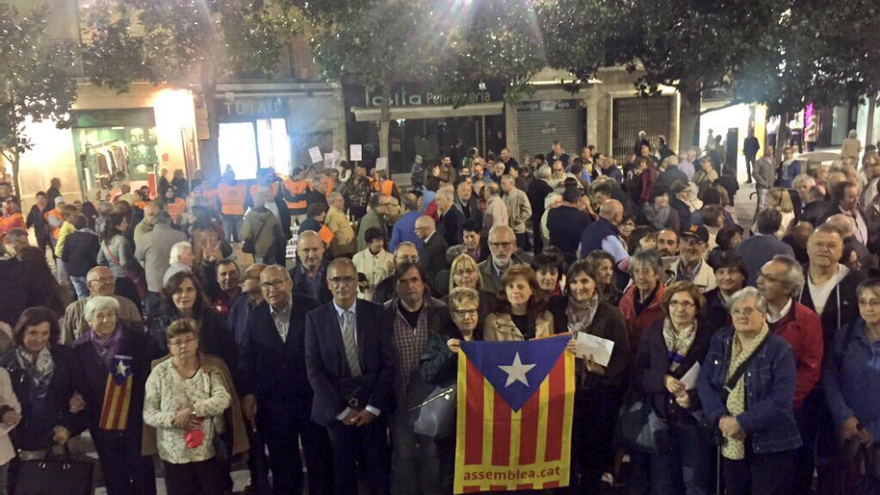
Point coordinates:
[(55, 475), (638, 425), (435, 416)]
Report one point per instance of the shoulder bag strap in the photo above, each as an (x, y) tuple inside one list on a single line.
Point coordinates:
[(737, 375)]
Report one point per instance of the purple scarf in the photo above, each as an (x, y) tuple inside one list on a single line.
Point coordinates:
[(108, 348)]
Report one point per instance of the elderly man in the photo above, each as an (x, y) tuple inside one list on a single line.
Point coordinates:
[(845, 224), (181, 259), (374, 219), (310, 273), (496, 209), (845, 200), (691, 266), (153, 253), (765, 175), (502, 245), (344, 242), (537, 193), (450, 219), (276, 394), (780, 281), (433, 256), (18, 239), (100, 282), (519, 210), (405, 252), (146, 225), (467, 203), (408, 320)]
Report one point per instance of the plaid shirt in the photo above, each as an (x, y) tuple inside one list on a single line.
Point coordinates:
[(409, 345)]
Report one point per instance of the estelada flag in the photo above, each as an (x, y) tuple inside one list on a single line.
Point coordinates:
[(117, 394), (515, 405)]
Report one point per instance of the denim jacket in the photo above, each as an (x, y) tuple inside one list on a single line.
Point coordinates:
[(768, 420)]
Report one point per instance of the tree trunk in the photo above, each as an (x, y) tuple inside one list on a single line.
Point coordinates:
[(210, 149), (869, 131), (385, 124), (16, 180), (689, 124)]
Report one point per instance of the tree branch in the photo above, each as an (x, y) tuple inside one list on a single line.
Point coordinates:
[(732, 103)]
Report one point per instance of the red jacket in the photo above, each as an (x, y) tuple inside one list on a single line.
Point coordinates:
[(635, 325), (802, 329)]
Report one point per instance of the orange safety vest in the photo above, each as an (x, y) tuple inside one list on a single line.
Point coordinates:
[(176, 209), (256, 187), (295, 188), (387, 188), (232, 198), (331, 185), (57, 214)]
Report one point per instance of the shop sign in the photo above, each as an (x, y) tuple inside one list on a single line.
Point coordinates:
[(130, 117), (244, 107), (547, 105), (414, 95)]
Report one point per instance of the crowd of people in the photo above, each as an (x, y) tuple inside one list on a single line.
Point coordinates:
[(752, 339)]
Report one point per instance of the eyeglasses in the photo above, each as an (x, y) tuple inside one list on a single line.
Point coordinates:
[(342, 280), (682, 304), (275, 284), (747, 313), (182, 342), (870, 303), (461, 313)]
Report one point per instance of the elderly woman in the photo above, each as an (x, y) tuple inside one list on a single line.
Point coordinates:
[(599, 388), (115, 365), (520, 314), (186, 397), (746, 387), (183, 297), (548, 268), (669, 349), (117, 254), (464, 273), (640, 304), (439, 364), (851, 382), (601, 265), (553, 200), (44, 377)]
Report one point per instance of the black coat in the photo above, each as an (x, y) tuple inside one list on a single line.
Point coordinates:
[(433, 256), (717, 316), (327, 366), (20, 291), (95, 372), (80, 253), (537, 193), (652, 365), (450, 226), (566, 225), (472, 210), (274, 370), (214, 338), (35, 430)]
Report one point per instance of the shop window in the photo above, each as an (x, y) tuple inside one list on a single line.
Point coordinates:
[(238, 149)]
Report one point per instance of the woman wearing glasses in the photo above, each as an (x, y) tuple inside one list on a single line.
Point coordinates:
[(465, 273), (598, 388), (746, 388), (669, 349), (186, 397), (183, 297), (439, 364)]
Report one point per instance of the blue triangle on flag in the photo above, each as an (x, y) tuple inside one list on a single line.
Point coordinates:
[(516, 369)]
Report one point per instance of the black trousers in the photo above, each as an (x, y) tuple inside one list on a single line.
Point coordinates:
[(368, 443), (759, 474), (153, 305), (750, 163), (198, 478), (592, 434), (536, 230), (357, 212), (125, 470), (808, 418), (282, 428)]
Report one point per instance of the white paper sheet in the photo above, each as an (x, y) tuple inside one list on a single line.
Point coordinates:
[(329, 160), (356, 152), (382, 163), (689, 380), (316, 155), (596, 348)]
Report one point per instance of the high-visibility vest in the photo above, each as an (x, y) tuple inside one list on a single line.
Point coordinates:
[(232, 198), (387, 188), (256, 187), (54, 231), (295, 188), (176, 209)]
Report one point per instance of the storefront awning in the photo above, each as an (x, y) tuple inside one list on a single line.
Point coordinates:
[(430, 112)]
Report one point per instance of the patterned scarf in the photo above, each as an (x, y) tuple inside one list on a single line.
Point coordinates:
[(39, 370), (580, 314), (107, 348), (677, 343), (735, 447)]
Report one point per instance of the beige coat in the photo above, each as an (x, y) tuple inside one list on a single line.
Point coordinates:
[(344, 241), (496, 214), (500, 327), (519, 210), (7, 399)]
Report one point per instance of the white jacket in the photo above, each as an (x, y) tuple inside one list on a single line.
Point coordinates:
[(7, 398)]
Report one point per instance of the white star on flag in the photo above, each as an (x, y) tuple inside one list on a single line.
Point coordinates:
[(516, 372), (121, 368)]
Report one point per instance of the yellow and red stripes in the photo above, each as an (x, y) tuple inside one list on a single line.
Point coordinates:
[(117, 399)]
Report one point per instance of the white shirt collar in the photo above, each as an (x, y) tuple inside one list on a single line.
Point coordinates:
[(785, 309), (340, 311)]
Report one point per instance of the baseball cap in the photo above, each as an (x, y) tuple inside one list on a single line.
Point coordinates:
[(698, 232)]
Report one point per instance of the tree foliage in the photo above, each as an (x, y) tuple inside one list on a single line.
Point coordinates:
[(35, 79)]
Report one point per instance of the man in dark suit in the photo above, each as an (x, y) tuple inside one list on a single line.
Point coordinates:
[(451, 220), (277, 397), (537, 193), (350, 361), (760, 248), (433, 256), (310, 273), (467, 203)]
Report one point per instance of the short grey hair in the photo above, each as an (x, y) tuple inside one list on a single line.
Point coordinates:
[(334, 196), (853, 134), (99, 303), (650, 258), (794, 276), (454, 252), (543, 172), (748, 293), (800, 179), (177, 251), (550, 199)]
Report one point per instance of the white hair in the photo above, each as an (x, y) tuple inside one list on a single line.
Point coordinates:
[(178, 250), (550, 199), (99, 303)]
